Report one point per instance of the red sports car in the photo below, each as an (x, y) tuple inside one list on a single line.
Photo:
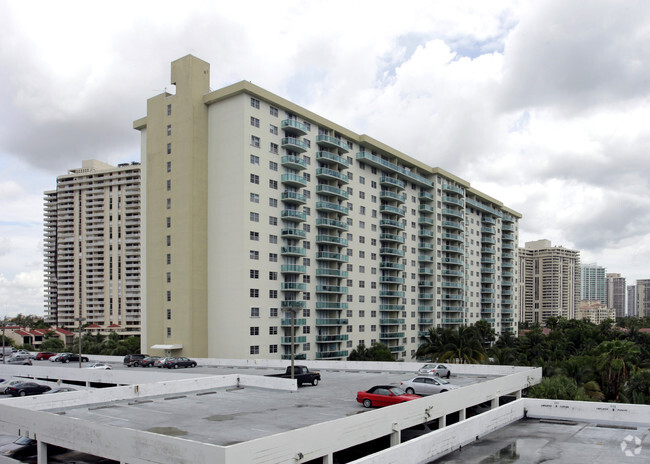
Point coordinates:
[(44, 355), (384, 395)]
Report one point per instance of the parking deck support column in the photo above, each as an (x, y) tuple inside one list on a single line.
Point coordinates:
[(518, 395), (396, 435), (328, 459), (494, 403), (462, 414), (41, 452)]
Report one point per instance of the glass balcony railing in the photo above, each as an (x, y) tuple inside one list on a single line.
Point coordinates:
[(294, 144), (331, 239), (293, 269), (326, 157), (327, 206), (331, 174), (290, 232), (388, 195), (293, 215), (293, 180), (391, 238), (293, 162), (324, 272), (332, 142), (291, 126), (323, 189), (392, 182), (294, 197)]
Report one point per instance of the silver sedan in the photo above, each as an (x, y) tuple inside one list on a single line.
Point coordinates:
[(427, 385)]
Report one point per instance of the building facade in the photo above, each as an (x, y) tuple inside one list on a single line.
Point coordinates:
[(265, 222), (92, 248), (594, 311), (593, 284), (643, 298), (632, 310), (616, 292), (549, 281)]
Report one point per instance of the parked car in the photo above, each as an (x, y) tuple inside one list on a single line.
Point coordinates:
[(160, 362), (149, 361), (44, 355), (27, 388), (384, 395), (439, 370), (68, 357), (427, 385), (301, 374), (99, 366), (19, 360), (178, 362), (134, 360), (56, 357), (8, 383), (23, 448), (60, 390)]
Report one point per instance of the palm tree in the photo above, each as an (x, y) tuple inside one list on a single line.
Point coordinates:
[(432, 344), (617, 362), (464, 347)]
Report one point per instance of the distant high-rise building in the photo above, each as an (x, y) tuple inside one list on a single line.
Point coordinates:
[(643, 297), (549, 281), (594, 311), (593, 283), (631, 301), (616, 293), (258, 210), (92, 248)]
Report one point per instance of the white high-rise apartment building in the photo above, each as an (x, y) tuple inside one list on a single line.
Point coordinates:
[(632, 310), (549, 281), (593, 283), (643, 298), (92, 248), (258, 210), (616, 293)]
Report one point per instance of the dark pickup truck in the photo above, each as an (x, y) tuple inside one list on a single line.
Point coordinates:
[(301, 374)]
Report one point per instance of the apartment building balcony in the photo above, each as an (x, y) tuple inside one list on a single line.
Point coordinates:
[(507, 319), (506, 292), (507, 256), (331, 289), (425, 196), (426, 283), (506, 283), (390, 223), (453, 237), (425, 308), (453, 201), (296, 356), (425, 259), (488, 250), (388, 251), (396, 349), (508, 218), (452, 297), (426, 209), (488, 230), (506, 301), (425, 271), (293, 215), (455, 261), (453, 249), (296, 341), (332, 321), (487, 290), (452, 309), (388, 209), (331, 174), (328, 190), (331, 240), (331, 354), (391, 294), (386, 181), (291, 126), (487, 280), (326, 272), (293, 162), (487, 270), (451, 320), (293, 304), (287, 322), (488, 220), (391, 307), (386, 279), (425, 246), (487, 310), (507, 274), (425, 233), (331, 338), (294, 144), (293, 180), (326, 206), (330, 256), (388, 195), (451, 284), (331, 305), (426, 296), (507, 227), (326, 157), (332, 142), (488, 300), (391, 321), (453, 225), (391, 238), (293, 251), (486, 260), (426, 321), (293, 233), (507, 246), (507, 265), (453, 189), (293, 287), (508, 237), (426, 222), (390, 335), (488, 240), (452, 212), (331, 223)]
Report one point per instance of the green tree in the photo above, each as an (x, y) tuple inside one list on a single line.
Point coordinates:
[(52, 344), (377, 352), (464, 346), (637, 390), (432, 344), (616, 362)]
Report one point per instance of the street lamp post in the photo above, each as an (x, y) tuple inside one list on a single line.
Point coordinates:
[(4, 324), (80, 320)]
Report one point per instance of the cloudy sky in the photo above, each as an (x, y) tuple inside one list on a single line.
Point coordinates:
[(543, 105)]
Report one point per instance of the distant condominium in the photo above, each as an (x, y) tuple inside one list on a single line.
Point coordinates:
[(262, 216), (615, 291), (632, 310), (92, 248), (643, 298), (549, 281), (593, 283)]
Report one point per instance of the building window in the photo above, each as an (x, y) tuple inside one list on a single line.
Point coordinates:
[(254, 217), (255, 198), (169, 258), (273, 348), (273, 294), (255, 236), (169, 277), (255, 103), (255, 255), (169, 203), (254, 274), (255, 179), (255, 141), (273, 202), (169, 295), (169, 110), (169, 129), (273, 147), (273, 275), (169, 148), (273, 129), (255, 349), (273, 312), (169, 332), (169, 166), (273, 166), (273, 111), (273, 220), (273, 184), (273, 257), (169, 314), (169, 222), (273, 330), (255, 122), (254, 293), (169, 185), (255, 312), (273, 239), (169, 240), (254, 331), (255, 160)]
